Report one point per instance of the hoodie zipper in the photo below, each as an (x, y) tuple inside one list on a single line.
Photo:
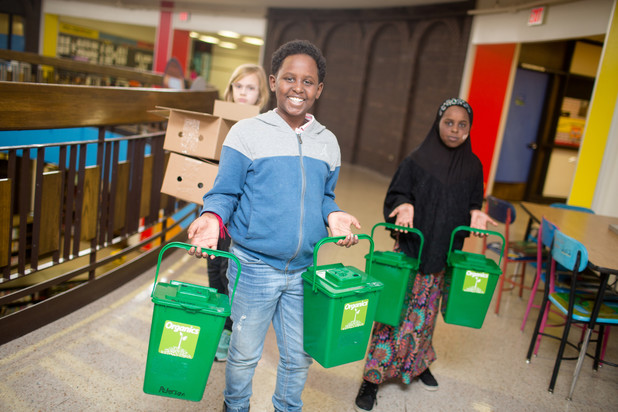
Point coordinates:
[(302, 198)]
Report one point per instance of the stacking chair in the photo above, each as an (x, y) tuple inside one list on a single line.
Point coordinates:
[(543, 245), (575, 307), (519, 252)]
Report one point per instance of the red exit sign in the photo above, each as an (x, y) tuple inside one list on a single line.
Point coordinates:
[(536, 16)]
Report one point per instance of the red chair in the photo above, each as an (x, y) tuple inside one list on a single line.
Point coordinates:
[(518, 252)]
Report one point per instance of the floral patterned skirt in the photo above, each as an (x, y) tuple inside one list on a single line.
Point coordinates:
[(406, 351)]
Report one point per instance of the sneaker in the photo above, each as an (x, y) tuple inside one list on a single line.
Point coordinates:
[(367, 396), (429, 382), (224, 345)]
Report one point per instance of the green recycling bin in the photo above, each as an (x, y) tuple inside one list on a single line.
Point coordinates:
[(187, 323), (339, 308), (396, 271), (469, 283)]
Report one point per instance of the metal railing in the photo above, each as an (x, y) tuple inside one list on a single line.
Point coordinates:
[(65, 221)]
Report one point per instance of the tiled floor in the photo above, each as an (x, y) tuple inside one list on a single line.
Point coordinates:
[(94, 359)]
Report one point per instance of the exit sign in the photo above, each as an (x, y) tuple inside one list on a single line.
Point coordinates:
[(536, 16)]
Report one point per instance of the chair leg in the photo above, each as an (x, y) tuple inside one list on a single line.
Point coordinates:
[(522, 278), (542, 330), (500, 287), (597, 352), (580, 361), (537, 279), (537, 327), (605, 339), (565, 336)]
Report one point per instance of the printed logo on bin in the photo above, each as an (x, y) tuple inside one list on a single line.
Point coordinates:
[(179, 339), (475, 282), (354, 314)]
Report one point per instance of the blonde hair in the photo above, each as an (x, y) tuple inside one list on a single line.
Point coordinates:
[(245, 70)]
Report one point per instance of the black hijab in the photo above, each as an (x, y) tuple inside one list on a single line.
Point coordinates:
[(443, 184), (449, 165)]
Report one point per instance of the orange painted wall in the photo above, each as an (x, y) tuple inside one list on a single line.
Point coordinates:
[(488, 85)]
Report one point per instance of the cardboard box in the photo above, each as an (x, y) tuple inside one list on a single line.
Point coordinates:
[(234, 111), (188, 178), (196, 134), (201, 134)]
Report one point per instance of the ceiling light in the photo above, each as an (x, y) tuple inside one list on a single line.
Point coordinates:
[(209, 39), (194, 35), (253, 40), (228, 33), (228, 45)]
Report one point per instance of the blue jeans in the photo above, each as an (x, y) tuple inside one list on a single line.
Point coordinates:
[(264, 295)]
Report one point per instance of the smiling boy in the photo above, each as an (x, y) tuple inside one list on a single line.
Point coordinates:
[(275, 190)]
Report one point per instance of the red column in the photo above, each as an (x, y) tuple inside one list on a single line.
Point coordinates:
[(488, 86), (164, 36)]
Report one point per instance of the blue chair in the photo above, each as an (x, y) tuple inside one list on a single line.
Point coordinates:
[(570, 207), (561, 285), (518, 252), (576, 308)]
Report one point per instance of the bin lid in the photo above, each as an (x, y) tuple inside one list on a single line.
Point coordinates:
[(192, 298), (396, 259), (340, 281), (473, 261)]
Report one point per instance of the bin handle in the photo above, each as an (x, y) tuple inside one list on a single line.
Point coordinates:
[(471, 229), (187, 246), (404, 228), (334, 239)]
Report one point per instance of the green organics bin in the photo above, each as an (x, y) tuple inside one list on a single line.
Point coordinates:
[(339, 308), (187, 323), (396, 271), (469, 284)]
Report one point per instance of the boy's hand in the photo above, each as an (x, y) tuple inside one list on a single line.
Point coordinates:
[(479, 220), (339, 223), (203, 233), (404, 216)]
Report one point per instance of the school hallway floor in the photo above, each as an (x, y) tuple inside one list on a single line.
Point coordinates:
[(94, 359)]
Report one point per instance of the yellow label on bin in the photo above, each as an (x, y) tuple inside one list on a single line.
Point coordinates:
[(179, 339), (475, 282), (354, 314)]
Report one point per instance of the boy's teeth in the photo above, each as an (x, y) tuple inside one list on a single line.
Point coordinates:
[(296, 99)]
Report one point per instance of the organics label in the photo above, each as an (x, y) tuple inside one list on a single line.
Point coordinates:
[(179, 339), (354, 314), (475, 282)]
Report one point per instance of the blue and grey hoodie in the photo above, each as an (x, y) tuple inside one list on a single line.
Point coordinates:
[(275, 188)]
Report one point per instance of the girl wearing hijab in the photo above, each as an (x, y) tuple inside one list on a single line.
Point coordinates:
[(436, 188)]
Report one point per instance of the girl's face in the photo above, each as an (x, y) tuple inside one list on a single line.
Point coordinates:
[(246, 89), (296, 87), (454, 126)]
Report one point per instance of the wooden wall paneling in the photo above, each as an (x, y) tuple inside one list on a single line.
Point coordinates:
[(52, 195), (90, 206), (384, 108), (436, 77), (5, 220), (122, 191), (339, 106), (144, 205), (383, 81)]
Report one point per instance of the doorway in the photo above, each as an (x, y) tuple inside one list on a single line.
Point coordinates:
[(546, 119)]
